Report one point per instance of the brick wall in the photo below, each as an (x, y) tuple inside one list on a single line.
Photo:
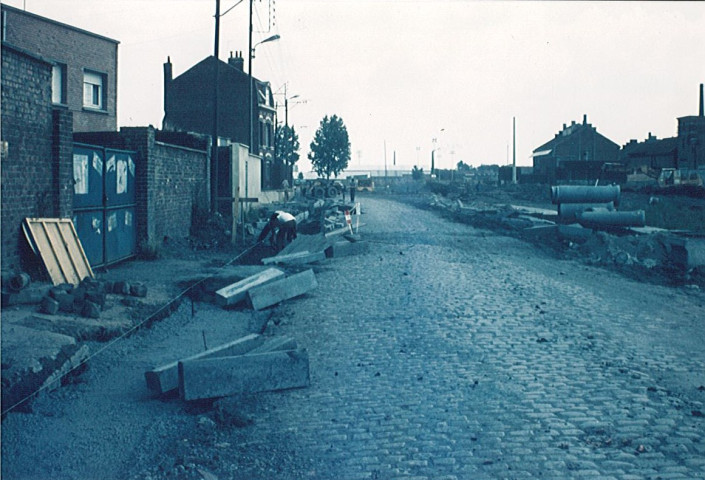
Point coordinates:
[(78, 50), (180, 184), (27, 169)]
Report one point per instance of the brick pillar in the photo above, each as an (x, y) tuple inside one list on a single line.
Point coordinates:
[(62, 162), (141, 140)]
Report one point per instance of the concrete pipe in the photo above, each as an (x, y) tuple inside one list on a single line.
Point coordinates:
[(606, 218), (568, 211), (585, 194)]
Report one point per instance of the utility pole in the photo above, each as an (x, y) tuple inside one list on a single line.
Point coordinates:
[(214, 146), (514, 150), (385, 161)]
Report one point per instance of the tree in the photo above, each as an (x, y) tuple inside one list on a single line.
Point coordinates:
[(417, 173), (330, 148), (463, 167), (286, 148)]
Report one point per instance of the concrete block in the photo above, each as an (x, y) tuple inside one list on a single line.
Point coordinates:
[(237, 291), (225, 376), (297, 258), (49, 305), (166, 377), (280, 290)]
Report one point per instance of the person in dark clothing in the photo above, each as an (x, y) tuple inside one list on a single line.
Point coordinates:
[(282, 226), (353, 188)]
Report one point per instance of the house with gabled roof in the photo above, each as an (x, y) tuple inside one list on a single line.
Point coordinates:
[(192, 101), (578, 147)]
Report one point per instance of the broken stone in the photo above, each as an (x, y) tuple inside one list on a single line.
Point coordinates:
[(49, 305), (121, 287), (65, 302), (90, 310), (138, 289), (96, 297)]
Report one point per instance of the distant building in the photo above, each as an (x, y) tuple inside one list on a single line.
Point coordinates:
[(685, 151), (573, 153), (189, 101), (651, 154), (84, 66)]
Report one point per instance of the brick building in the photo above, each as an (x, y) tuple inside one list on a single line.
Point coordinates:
[(685, 151), (575, 151), (48, 112), (189, 101), (84, 66), (36, 140)]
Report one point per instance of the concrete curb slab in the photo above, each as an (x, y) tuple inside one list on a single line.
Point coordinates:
[(225, 376), (275, 292)]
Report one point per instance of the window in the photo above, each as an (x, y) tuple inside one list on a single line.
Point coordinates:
[(93, 90), (58, 83)]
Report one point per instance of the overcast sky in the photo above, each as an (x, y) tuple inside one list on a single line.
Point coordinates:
[(402, 73)]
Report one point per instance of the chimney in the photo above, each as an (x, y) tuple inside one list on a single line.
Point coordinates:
[(702, 109), (168, 73), (585, 119), (237, 61)]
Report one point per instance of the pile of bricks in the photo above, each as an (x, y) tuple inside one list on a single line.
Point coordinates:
[(86, 299)]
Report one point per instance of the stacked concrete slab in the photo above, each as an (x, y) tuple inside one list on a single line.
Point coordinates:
[(236, 292), (215, 366)]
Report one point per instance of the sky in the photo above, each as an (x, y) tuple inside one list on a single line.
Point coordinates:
[(401, 73)]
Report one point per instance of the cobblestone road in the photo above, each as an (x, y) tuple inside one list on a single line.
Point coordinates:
[(448, 352)]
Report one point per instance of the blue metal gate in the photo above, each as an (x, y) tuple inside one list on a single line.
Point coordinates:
[(104, 203)]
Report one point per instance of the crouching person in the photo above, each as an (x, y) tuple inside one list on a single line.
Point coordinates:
[(282, 226)]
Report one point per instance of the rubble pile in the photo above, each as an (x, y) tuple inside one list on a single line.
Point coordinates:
[(644, 253)]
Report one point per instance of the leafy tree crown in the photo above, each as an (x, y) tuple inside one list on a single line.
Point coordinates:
[(330, 148)]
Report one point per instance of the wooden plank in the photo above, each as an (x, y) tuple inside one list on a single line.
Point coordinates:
[(56, 242), (61, 256), (76, 255)]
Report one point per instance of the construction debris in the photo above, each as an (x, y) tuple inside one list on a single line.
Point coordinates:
[(225, 376), (236, 292), (166, 377), (280, 290)]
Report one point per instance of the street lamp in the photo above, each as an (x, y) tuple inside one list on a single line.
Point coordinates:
[(251, 78)]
